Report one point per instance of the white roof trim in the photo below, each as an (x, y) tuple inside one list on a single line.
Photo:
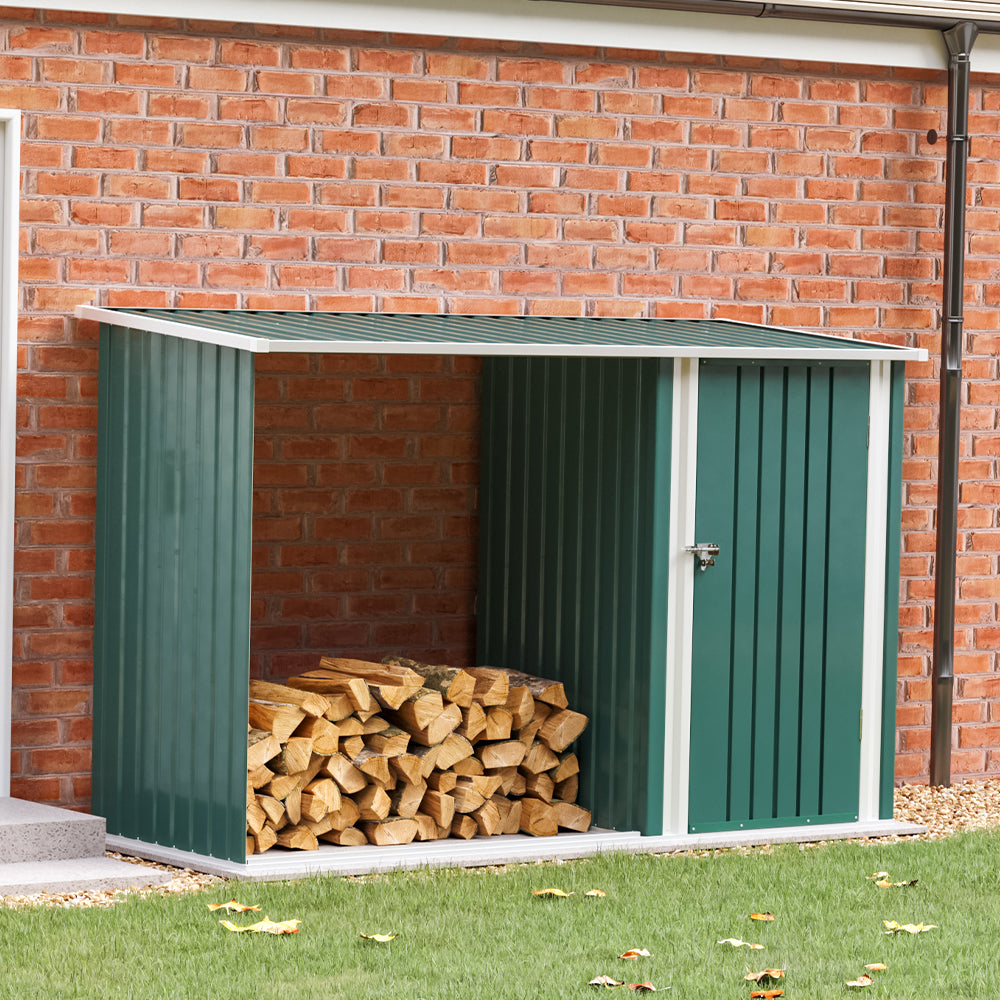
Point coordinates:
[(261, 345), (559, 23)]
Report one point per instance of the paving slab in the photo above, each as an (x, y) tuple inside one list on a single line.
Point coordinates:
[(31, 831), (25, 878)]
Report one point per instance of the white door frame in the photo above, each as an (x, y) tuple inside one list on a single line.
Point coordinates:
[(10, 185)]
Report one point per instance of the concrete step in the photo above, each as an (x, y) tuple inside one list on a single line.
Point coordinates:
[(63, 875), (30, 832)]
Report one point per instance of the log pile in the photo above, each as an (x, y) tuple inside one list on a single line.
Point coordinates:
[(356, 753)]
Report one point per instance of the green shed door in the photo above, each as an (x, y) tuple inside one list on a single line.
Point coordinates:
[(777, 643)]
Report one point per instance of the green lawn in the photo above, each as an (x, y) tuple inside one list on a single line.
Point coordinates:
[(481, 934)]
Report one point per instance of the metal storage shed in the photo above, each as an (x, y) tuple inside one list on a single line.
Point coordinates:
[(752, 687)]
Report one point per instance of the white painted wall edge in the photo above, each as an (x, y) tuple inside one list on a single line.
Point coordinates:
[(559, 23), (680, 597), (873, 634), (10, 186)]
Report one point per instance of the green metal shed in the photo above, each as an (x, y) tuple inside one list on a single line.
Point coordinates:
[(693, 524)]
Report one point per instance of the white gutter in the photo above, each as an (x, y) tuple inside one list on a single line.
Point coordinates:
[(10, 185), (558, 23)]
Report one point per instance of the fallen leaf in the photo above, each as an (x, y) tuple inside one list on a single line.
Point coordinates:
[(768, 994), (634, 953), (886, 884), (876, 967), (549, 892), (381, 938), (863, 980), (737, 943), (232, 907), (765, 975), (762, 916), (875, 875), (606, 981), (891, 927), (642, 987), (266, 926), (595, 892)]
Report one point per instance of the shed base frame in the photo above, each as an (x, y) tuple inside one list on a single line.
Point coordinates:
[(508, 849)]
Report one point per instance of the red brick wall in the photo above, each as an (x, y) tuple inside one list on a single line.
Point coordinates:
[(166, 164)]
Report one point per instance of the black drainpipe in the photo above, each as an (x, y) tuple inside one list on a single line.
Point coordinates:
[(959, 40)]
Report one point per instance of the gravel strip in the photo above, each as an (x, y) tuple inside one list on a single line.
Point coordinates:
[(969, 805)]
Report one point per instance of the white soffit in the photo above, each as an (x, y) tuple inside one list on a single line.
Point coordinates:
[(579, 24)]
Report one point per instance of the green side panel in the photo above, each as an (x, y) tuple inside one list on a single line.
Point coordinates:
[(893, 528), (777, 640), (171, 637), (573, 541)]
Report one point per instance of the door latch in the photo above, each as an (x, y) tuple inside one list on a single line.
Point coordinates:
[(704, 552)]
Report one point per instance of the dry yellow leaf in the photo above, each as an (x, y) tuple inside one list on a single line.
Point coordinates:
[(381, 938), (232, 907), (549, 892), (891, 927), (863, 980), (737, 943), (762, 916), (642, 987), (266, 926), (767, 994), (765, 975), (876, 967), (595, 892), (634, 953), (606, 981)]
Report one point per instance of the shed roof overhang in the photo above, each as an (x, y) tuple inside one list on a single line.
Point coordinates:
[(261, 331)]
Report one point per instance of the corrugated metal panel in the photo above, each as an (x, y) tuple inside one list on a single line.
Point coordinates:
[(573, 557), (173, 591), (777, 645), (551, 335), (891, 637)]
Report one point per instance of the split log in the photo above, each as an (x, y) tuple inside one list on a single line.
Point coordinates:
[(466, 797), (351, 726), (264, 840), (429, 756), (521, 706), (326, 791), (453, 749), (390, 742), (539, 786), (464, 827), (419, 710), (506, 776), (347, 815), (569, 789), (473, 722), (408, 766), (373, 802), (440, 806), (561, 728), (373, 724), (498, 723), (262, 745), (519, 785), (322, 825), (324, 734), (260, 776), (538, 818), (296, 752), (304, 777), (568, 766), (538, 758), (348, 837), (527, 733), (281, 720), (549, 692), (470, 765), (273, 808), (492, 686), (437, 731), (281, 786), (508, 753), (347, 776), (571, 817), (354, 689), (406, 799), (282, 694), (442, 781), (390, 685), (391, 831), (512, 824), (452, 683), (376, 766), (487, 818), (351, 746), (486, 784), (256, 818), (293, 806), (427, 829)]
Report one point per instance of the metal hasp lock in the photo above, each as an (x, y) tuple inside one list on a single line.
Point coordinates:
[(705, 552)]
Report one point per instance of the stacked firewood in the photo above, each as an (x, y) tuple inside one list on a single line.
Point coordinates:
[(386, 753)]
